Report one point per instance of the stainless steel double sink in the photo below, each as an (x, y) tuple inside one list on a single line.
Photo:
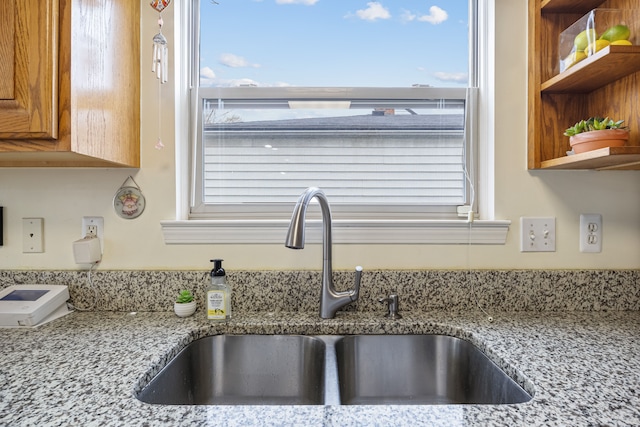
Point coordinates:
[(331, 370)]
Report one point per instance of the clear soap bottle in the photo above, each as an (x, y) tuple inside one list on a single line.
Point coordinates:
[(218, 294)]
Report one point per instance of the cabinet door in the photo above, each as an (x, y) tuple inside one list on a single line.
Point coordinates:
[(28, 69)]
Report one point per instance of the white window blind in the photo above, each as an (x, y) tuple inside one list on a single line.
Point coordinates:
[(395, 147)]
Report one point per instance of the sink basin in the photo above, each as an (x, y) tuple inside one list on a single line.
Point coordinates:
[(331, 370), (420, 370), (242, 370)]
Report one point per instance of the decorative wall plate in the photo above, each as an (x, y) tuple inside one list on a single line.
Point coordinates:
[(159, 5), (129, 202)]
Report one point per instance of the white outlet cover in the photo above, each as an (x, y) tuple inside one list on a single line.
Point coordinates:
[(590, 233), (538, 234), (98, 221), (32, 235)]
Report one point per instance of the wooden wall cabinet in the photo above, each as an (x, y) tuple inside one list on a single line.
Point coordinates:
[(607, 84), (70, 83)]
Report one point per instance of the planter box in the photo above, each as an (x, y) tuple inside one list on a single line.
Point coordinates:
[(596, 139)]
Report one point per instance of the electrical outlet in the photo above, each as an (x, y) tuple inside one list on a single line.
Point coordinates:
[(590, 233), (538, 234), (32, 235), (92, 230), (93, 226)]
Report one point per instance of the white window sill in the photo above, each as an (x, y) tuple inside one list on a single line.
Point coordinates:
[(343, 232)]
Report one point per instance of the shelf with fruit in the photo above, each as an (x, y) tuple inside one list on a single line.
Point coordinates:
[(587, 43), (594, 60), (609, 64), (606, 81)]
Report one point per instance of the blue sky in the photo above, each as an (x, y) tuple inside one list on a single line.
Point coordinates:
[(334, 42)]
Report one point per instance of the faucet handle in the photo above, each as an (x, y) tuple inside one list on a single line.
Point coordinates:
[(356, 285), (392, 305)]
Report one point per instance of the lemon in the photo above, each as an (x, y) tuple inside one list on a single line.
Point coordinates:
[(617, 32), (582, 40), (622, 43), (598, 45), (574, 58)]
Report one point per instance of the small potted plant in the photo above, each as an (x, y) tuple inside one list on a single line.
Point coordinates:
[(595, 133), (185, 305)]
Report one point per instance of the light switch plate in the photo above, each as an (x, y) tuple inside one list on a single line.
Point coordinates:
[(32, 235), (538, 234)]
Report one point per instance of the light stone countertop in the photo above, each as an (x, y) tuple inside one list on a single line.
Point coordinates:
[(83, 369)]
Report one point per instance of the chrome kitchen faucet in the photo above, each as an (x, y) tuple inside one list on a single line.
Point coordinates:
[(330, 299)]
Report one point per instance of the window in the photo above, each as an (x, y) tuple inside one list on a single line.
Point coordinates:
[(373, 151), (375, 103)]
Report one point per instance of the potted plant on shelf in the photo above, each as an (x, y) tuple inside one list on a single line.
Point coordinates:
[(185, 305), (595, 133)]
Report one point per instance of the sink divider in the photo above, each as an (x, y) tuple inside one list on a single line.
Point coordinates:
[(331, 383)]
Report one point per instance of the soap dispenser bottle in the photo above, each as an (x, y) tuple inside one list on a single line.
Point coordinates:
[(218, 294)]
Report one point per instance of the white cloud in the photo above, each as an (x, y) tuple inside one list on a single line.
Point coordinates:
[(240, 82), (248, 82), (235, 61), (207, 76), (373, 12), (435, 16), (408, 16), (451, 77), (305, 2), (207, 73)]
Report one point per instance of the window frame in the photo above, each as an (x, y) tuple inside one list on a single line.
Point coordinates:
[(187, 229)]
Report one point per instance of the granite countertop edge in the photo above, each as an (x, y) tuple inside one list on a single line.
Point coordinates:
[(85, 368)]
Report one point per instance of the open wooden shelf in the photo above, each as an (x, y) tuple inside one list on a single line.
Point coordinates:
[(606, 66), (557, 6), (618, 158), (605, 84)]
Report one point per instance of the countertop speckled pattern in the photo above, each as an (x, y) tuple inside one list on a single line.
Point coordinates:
[(82, 369), (298, 291)]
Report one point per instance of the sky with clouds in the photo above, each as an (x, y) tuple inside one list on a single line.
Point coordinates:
[(394, 43)]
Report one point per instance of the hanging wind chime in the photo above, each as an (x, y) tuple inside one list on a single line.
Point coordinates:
[(160, 64)]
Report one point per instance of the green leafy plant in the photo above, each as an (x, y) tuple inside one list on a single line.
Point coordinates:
[(593, 123), (184, 297)]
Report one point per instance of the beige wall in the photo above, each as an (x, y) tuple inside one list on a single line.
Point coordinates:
[(63, 196)]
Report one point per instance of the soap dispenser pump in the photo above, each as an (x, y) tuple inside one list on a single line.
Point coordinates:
[(218, 294)]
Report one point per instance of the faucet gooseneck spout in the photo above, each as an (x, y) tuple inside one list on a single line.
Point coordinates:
[(330, 299)]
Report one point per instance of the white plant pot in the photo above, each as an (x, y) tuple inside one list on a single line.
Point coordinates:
[(184, 309)]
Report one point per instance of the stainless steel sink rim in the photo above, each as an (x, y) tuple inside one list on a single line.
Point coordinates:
[(242, 370), (327, 381), (420, 369)]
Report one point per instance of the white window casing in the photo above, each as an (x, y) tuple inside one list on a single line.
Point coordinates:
[(217, 217)]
